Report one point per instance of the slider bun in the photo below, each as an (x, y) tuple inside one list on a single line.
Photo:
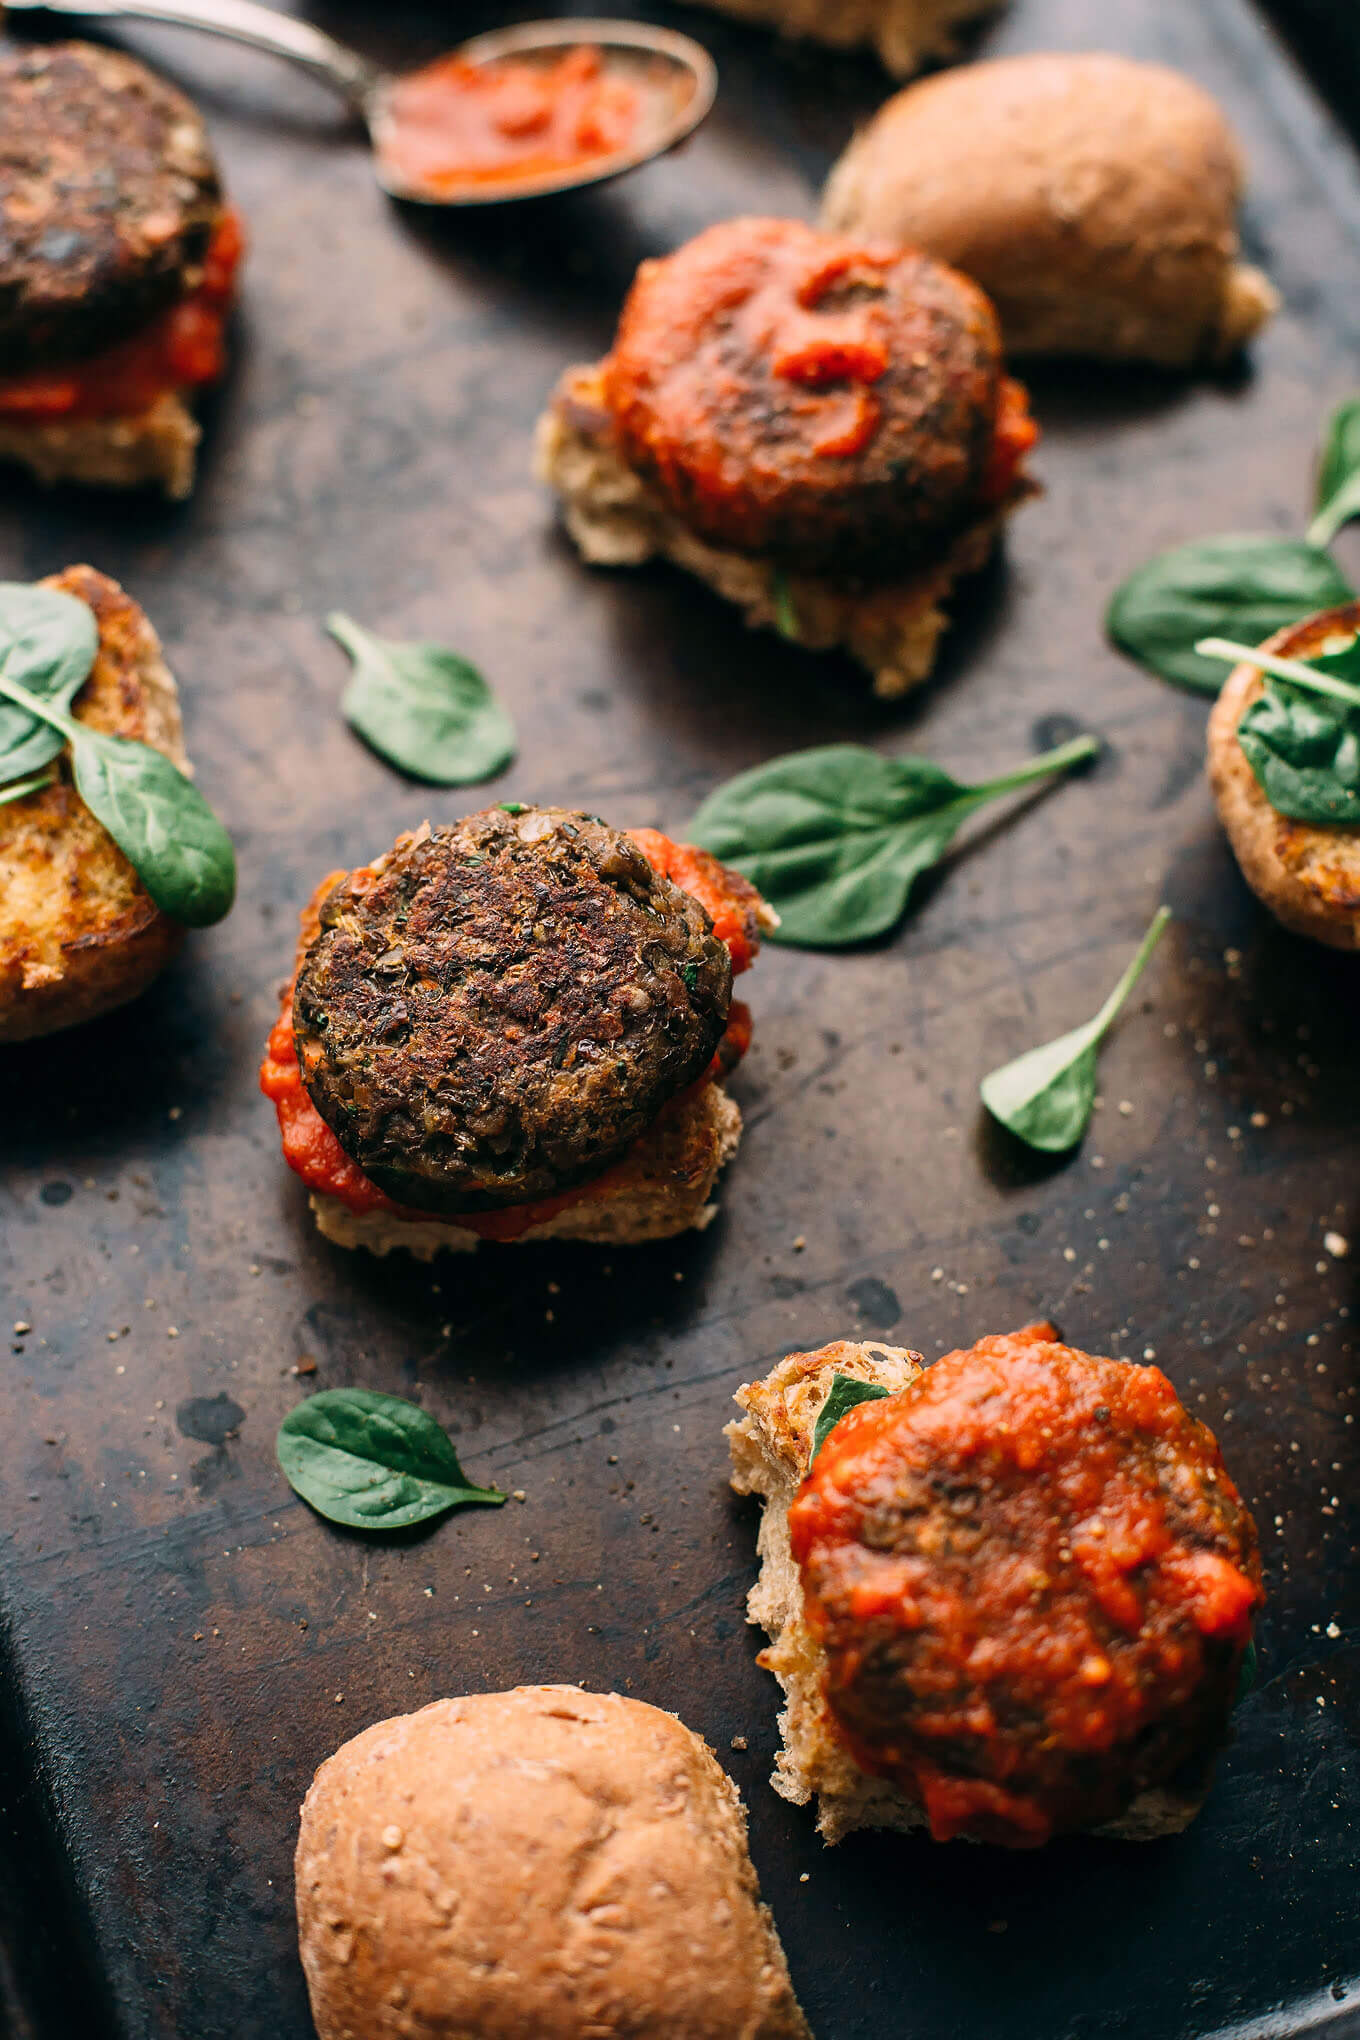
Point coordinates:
[(1306, 873), (1092, 197), (79, 933), (543, 1864)]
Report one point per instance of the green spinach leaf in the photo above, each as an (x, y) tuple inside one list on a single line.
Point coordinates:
[(424, 709), (1246, 1677), (1243, 585), (20, 789), (1338, 482), (47, 643), (1301, 736), (836, 838), (785, 608), (1045, 1096), (372, 1462), (158, 818), (846, 1394)]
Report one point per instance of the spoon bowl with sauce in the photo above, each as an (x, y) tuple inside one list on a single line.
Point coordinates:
[(523, 112)]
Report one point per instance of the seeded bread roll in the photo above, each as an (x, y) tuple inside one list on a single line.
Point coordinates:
[(1306, 873), (1093, 198), (543, 1864)]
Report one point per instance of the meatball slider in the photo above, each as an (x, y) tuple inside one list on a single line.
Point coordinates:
[(513, 1028), (79, 933), (1009, 1597), (543, 1864), (817, 427), (1307, 873), (117, 269)]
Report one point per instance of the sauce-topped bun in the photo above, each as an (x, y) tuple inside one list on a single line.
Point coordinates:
[(543, 1864), (1094, 199), (1011, 1597), (1307, 873), (821, 399), (496, 1010)]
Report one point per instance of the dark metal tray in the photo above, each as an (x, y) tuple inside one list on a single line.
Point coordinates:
[(183, 1641)]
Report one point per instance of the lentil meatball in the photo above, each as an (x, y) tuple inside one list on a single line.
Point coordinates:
[(497, 1010), (1033, 1581), (823, 400), (108, 198)]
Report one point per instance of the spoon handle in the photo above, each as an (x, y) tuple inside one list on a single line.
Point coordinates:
[(243, 21)]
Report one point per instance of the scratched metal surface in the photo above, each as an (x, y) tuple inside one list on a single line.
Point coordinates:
[(184, 1642)]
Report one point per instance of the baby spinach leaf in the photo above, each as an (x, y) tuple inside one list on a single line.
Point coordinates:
[(1301, 736), (158, 818), (1338, 482), (1243, 584), (1246, 1677), (424, 709), (47, 643), (372, 1462), (21, 788), (836, 837), (785, 608), (1045, 1096), (846, 1394)]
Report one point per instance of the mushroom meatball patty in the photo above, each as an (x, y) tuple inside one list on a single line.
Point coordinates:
[(1033, 1582), (827, 401), (108, 195), (497, 1010), (118, 268)]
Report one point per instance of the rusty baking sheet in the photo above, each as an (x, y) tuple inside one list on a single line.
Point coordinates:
[(183, 1640)]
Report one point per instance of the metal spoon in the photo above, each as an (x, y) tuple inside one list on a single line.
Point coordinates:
[(675, 78)]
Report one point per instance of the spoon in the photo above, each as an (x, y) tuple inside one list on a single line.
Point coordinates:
[(675, 79)]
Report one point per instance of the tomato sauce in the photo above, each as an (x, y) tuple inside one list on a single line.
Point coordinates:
[(312, 1150), (1034, 1582), (456, 126), (182, 347)]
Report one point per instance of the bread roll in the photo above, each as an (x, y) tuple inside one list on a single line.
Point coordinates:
[(543, 1864), (1306, 873), (79, 934), (1093, 198)]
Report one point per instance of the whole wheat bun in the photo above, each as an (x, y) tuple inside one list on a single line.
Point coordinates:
[(772, 1445), (1306, 873), (1093, 198), (79, 934), (543, 1864)]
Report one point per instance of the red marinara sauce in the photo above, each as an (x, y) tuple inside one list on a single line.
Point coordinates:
[(1034, 1582), (455, 125), (312, 1150), (182, 348), (835, 404)]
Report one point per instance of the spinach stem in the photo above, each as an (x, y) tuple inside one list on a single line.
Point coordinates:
[(1073, 753), (1105, 1017), (1284, 669), (42, 709), (18, 788)]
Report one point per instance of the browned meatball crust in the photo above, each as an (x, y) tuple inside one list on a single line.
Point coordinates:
[(497, 1010), (108, 198)]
